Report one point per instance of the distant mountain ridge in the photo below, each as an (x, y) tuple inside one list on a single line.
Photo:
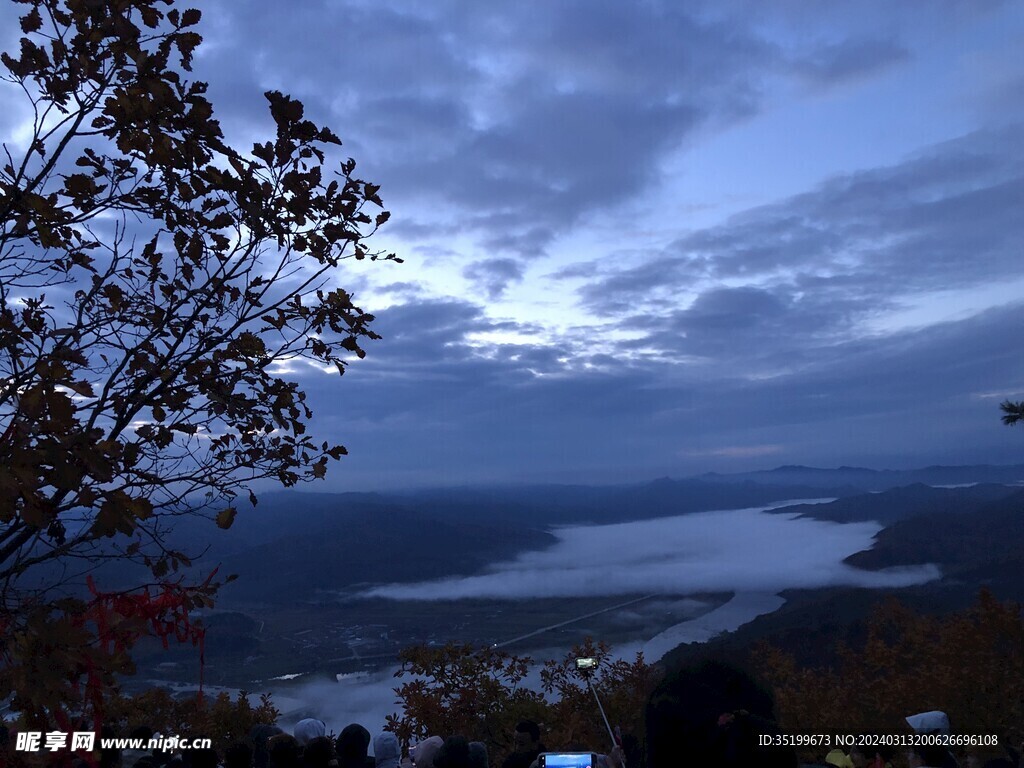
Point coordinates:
[(297, 542), (908, 501), (875, 479), (576, 505)]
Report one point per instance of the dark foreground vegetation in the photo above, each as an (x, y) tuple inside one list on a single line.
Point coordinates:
[(704, 703)]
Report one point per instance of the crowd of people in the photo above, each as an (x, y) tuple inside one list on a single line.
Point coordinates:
[(309, 745), (925, 754), (731, 741), (675, 739), (709, 715)]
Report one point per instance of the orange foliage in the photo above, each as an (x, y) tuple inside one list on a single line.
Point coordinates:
[(478, 693), (219, 718), (968, 664), (622, 686)]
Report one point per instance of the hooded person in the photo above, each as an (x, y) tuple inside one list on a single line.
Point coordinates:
[(352, 746), (453, 754), (309, 729), (478, 755), (929, 722), (386, 751), (238, 755), (839, 759), (259, 735), (932, 723), (319, 753), (427, 750), (285, 751), (712, 713)]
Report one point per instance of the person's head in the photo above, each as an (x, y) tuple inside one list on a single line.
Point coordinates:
[(387, 753), (308, 729), (527, 737), (259, 735), (238, 755), (932, 755), (838, 758), (931, 722), (858, 757), (201, 758), (863, 756), (319, 753), (427, 750), (478, 755), (284, 751), (353, 743), (711, 712), (453, 754)]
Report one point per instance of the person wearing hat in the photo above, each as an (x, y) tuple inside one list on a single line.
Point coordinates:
[(387, 753), (839, 759)]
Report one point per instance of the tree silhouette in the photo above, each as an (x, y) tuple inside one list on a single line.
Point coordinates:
[(153, 283), (1012, 412)]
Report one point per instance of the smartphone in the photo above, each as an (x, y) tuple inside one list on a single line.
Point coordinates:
[(567, 760)]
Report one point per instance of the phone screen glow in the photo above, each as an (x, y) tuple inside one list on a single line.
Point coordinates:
[(567, 760)]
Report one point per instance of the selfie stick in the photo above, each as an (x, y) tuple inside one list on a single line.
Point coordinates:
[(601, 709)]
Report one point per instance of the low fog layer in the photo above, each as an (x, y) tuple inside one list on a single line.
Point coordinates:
[(741, 550), (751, 551), (367, 700)]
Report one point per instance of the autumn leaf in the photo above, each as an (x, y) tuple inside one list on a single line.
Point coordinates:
[(226, 517)]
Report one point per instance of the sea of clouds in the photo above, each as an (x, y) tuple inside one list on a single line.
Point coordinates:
[(733, 550), (753, 552)]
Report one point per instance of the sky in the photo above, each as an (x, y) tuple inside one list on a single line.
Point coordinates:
[(659, 238)]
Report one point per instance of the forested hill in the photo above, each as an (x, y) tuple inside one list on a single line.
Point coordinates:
[(576, 504), (304, 541), (983, 545), (895, 504)]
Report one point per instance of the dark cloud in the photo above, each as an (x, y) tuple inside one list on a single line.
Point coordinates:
[(722, 323), (514, 124), (432, 406), (858, 244), (731, 309), (407, 291), (851, 59), (493, 276)]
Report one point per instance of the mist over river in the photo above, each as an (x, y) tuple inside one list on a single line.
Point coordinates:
[(754, 553)]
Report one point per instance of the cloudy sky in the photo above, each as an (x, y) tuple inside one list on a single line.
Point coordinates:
[(663, 238), (658, 238)]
